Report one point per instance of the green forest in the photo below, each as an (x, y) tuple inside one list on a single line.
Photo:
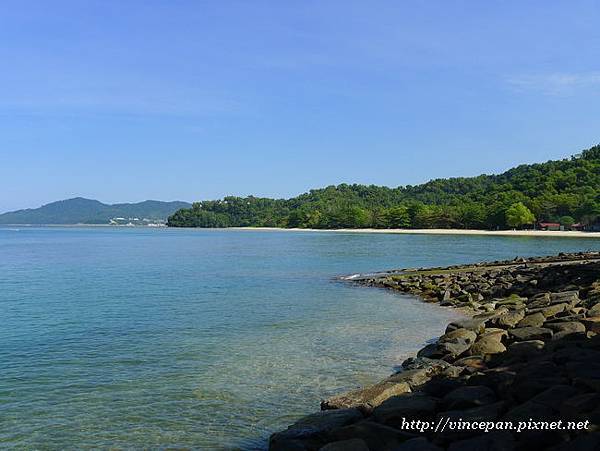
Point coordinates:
[(565, 191)]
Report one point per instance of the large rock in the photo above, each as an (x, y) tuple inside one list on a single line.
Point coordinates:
[(585, 442), (553, 309), (555, 396), (528, 410), (451, 349), (312, 430), (510, 319), (466, 334), (450, 345), (487, 345), (417, 376), (592, 324), (487, 412), (565, 326), (439, 386), (530, 333), (474, 324), (420, 370), (430, 352), (495, 332), (579, 407), (418, 444), (378, 437), (512, 301), (468, 396), (353, 444), (526, 348), (491, 441), (594, 310), (411, 406), (430, 366), (565, 329), (570, 297), (539, 300), (585, 373), (473, 362), (366, 398), (535, 377), (533, 320), (490, 316)]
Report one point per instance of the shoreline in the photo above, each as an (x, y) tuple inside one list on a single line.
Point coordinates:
[(519, 233), (472, 232), (530, 348)]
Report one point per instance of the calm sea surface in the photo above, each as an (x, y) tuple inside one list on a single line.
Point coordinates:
[(207, 339)]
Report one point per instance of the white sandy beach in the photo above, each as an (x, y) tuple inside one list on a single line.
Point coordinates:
[(548, 233)]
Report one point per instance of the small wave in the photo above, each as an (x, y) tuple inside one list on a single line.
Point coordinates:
[(351, 277)]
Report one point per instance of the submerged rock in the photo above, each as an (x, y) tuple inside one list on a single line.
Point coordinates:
[(366, 398)]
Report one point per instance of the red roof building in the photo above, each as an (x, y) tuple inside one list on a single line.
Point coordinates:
[(549, 226)]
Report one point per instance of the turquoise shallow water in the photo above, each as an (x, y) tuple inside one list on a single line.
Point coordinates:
[(207, 339)]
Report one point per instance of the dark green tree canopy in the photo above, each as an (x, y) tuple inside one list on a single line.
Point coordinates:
[(518, 215), (567, 189)]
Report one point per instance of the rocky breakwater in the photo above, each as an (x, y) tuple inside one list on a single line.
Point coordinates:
[(528, 356)]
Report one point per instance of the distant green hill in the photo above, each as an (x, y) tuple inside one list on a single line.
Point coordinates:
[(88, 211), (564, 191)]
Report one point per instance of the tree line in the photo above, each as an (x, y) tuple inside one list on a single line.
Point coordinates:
[(565, 191)]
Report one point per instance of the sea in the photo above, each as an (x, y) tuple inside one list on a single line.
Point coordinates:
[(156, 338)]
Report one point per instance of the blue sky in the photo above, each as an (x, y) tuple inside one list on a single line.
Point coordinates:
[(131, 100)]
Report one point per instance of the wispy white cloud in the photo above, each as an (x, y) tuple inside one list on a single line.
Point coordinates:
[(558, 83)]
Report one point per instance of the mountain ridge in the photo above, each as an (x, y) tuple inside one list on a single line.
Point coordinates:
[(80, 210)]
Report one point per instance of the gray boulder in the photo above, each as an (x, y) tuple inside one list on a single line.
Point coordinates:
[(565, 326), (533, 320), (488, 412), (530, 333), (366, 398), (492, 441), (474, 324), (526, 348), (510, 319), (353, 444), (376, 436), (466, 334), (312, 430), (412, 406), (554, 309), (468, 396), (594, 310), (487, 345), (592, 324), (474, 362), (417, 444)]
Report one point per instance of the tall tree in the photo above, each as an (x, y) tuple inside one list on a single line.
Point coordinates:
[(518, 215)]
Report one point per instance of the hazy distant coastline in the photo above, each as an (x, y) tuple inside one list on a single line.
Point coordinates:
[(81, 211)]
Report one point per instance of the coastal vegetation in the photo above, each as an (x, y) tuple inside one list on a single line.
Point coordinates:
[(565, 191)]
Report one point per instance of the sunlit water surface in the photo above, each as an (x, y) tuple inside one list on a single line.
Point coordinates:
[(206, 339)]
